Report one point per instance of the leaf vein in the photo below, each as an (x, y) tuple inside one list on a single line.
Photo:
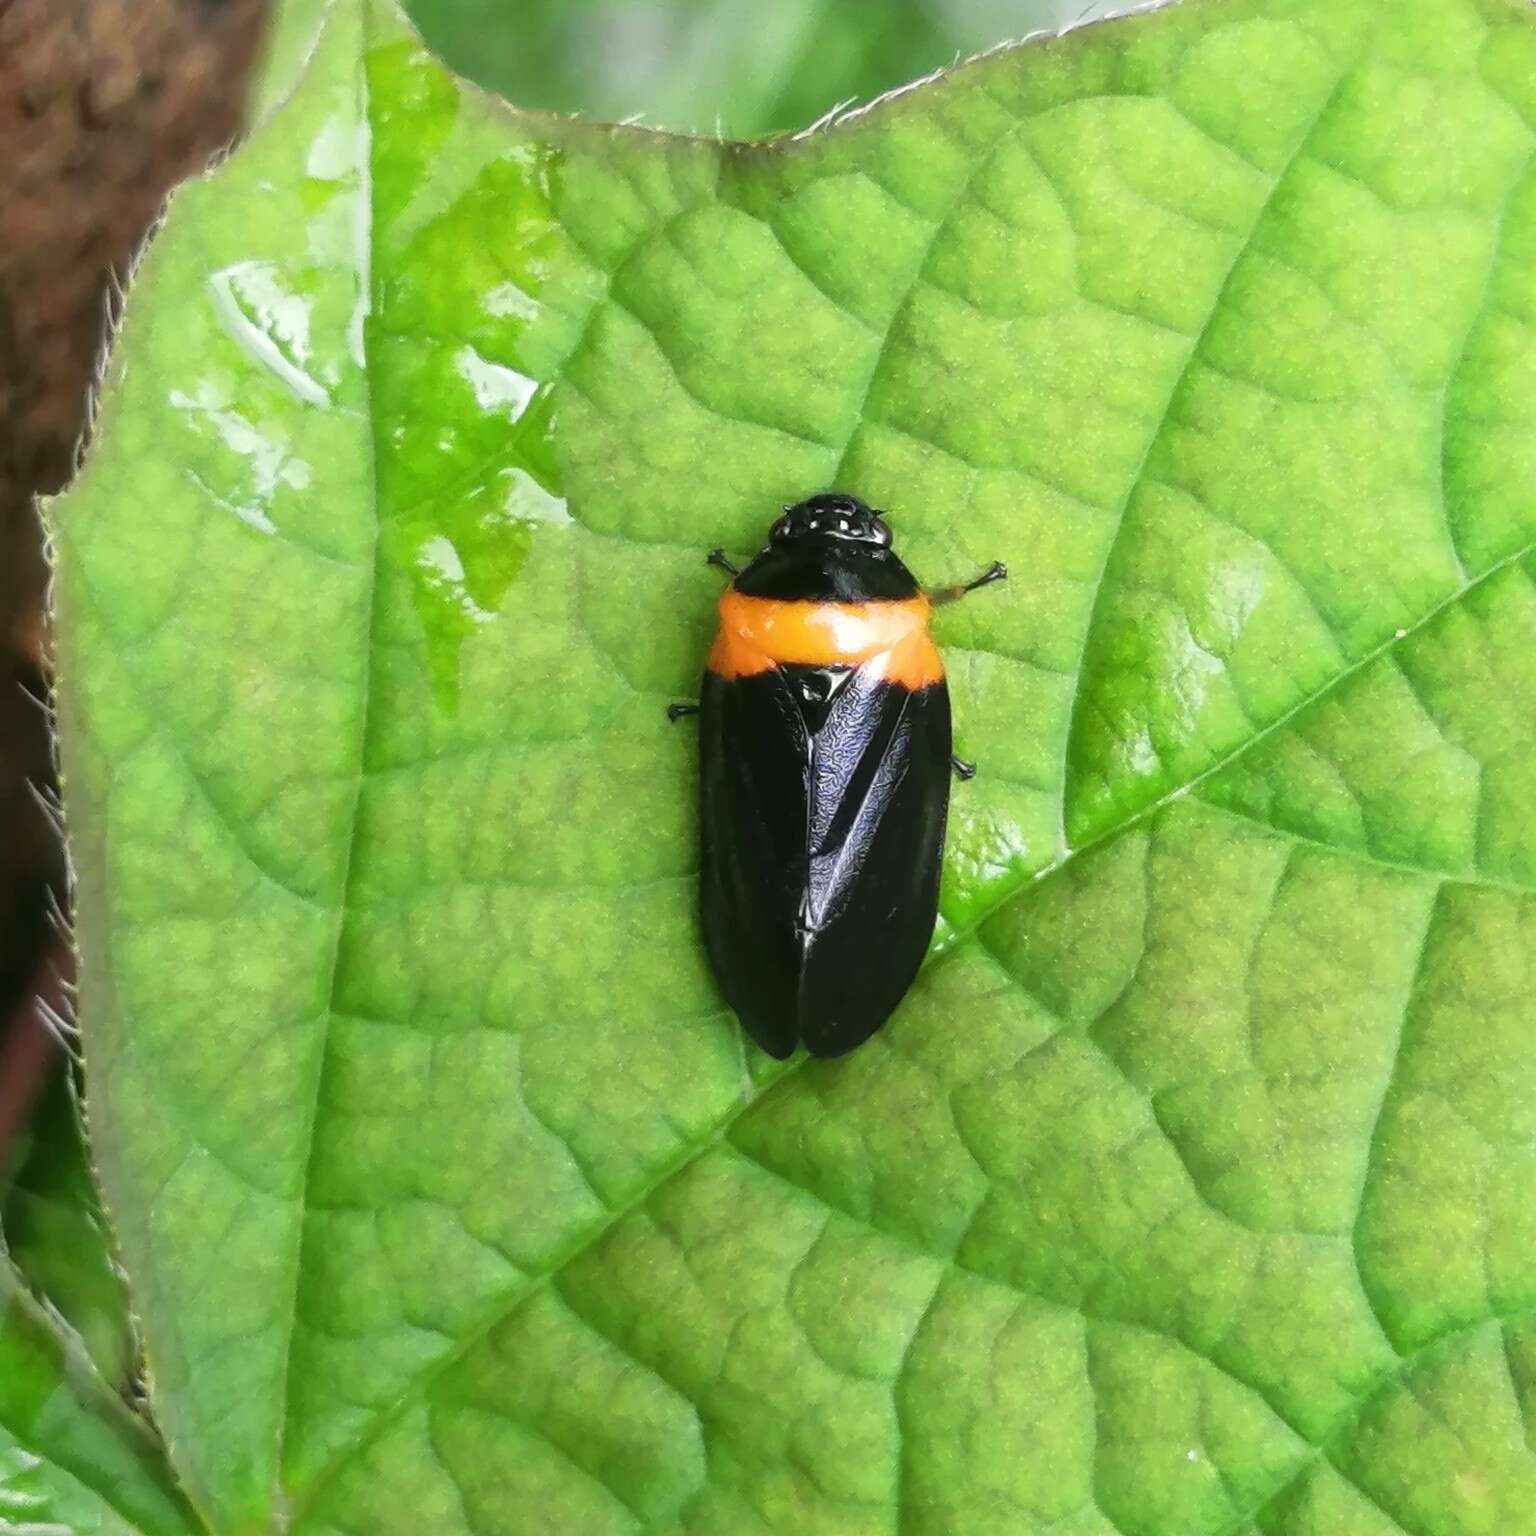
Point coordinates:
[(1192, 356)]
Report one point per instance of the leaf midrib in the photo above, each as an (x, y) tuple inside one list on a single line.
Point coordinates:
[(369, 252)]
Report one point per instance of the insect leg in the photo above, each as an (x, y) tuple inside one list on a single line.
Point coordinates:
[(717, 557), (676, 712), (964, 771), (997, 571)]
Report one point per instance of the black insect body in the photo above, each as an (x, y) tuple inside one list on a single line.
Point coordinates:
[(824, 780)]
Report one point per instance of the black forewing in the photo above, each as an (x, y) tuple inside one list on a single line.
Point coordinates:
[(879, 797), (753, 752), (823, 799)]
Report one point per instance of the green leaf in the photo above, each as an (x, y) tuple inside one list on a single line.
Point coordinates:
[(51, 1223), (1189, 1191), (73, 1460)]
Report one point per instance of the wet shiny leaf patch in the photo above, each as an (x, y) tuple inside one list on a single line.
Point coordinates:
[(1189, 1194)]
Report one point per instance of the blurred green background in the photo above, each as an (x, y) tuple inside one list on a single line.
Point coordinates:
[(727, 66)]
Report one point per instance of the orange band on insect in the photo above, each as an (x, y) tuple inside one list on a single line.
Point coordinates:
[(757, 634)]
